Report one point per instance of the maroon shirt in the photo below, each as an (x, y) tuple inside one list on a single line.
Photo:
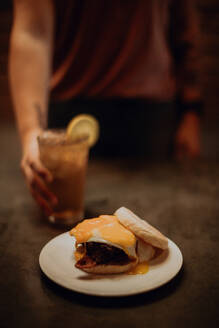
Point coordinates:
[(125, 48)]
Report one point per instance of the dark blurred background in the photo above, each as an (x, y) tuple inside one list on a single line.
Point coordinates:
[(209, 17)]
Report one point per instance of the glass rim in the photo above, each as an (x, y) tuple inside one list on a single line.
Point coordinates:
[(52, 139)]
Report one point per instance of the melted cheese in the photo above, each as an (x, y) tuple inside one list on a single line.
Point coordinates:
[(78, 255), (79, 252), (140, 268), (107, 227)]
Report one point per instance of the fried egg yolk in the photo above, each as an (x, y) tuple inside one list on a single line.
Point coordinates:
[(105, 228)]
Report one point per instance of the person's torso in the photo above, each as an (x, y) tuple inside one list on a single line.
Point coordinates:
[(112, 48)]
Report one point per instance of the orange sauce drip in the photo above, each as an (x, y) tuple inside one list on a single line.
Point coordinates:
[(108, 228), (140, 268), (78, 256)]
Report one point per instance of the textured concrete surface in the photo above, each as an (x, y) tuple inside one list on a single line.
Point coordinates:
[(181, 201)]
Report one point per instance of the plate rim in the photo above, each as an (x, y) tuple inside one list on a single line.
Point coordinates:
[(107, 294)]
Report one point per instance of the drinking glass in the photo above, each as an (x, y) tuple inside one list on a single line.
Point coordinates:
[(67, 162)]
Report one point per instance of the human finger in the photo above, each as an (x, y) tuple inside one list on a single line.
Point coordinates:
[(41, 170), (44, 205), (37, 183), (36, 191)]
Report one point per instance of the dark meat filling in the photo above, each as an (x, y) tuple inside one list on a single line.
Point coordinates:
[(100, 253)]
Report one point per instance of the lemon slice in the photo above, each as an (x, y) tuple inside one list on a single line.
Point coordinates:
[(83, 125)]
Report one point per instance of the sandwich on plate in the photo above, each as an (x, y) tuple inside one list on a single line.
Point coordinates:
[(115, 243)]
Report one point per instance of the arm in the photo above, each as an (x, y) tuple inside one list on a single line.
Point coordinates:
[(29, 74), (185, 43)]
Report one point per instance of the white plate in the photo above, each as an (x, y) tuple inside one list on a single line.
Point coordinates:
[(57, 262)]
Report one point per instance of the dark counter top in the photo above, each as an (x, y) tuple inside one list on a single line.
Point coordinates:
[(183, 202)]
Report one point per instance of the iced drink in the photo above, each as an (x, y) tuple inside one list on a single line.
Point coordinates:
[(67, 161)]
